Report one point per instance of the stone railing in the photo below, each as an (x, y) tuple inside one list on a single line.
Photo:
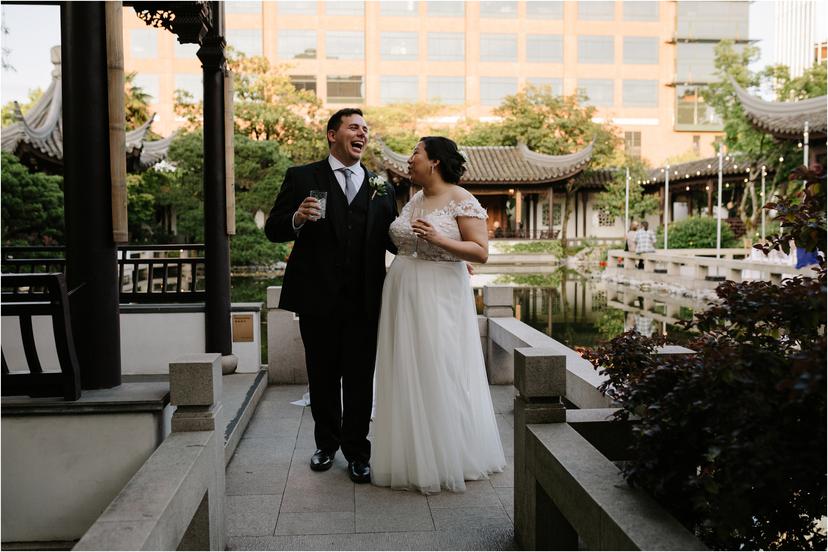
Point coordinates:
[(176, 500), (695, 266), (568, 493)]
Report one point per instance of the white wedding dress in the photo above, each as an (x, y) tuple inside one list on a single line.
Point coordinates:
[(435, 425)]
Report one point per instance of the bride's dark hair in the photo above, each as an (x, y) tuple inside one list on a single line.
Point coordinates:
[(452, 163)]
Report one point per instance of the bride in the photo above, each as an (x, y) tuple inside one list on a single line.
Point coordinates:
[(435, 425)]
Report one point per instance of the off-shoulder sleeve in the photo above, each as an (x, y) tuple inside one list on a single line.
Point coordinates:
[(470, 208)]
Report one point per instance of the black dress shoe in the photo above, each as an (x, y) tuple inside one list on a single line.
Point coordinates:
[(322, 460), (359, 471)]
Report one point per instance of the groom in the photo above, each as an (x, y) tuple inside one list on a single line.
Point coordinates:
[(333, 281)]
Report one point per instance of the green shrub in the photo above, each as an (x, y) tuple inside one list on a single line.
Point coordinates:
[(547, 247), (695, 233)]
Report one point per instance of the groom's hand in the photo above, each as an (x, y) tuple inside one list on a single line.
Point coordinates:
[(308, 211)]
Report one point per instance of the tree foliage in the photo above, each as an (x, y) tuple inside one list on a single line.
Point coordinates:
[(613, 199), (32, 205), (696, 233), (8, 108)]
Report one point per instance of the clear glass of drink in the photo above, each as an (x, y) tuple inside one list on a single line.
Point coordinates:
[(418, 212), (322, 198)]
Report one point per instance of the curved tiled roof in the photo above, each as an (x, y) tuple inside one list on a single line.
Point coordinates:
[(785, 119), (504, 164), (41, 129), (703, 169)]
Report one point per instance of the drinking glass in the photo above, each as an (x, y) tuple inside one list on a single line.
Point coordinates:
[(322, 198), (417, 213)]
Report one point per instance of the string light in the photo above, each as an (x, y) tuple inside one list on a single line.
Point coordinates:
[(781, 159), (707, 188), (687, 188)]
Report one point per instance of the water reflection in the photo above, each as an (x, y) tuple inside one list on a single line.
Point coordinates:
[(581, 311)]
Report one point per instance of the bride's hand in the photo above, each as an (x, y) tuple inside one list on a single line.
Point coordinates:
[(424, 230)]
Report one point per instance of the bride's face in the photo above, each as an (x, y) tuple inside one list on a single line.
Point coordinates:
[(419, 165)]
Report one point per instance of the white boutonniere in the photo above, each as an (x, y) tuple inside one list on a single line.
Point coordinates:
[(378, 184)]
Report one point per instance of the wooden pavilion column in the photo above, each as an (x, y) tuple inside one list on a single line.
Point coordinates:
[(551, 215), (710, 198), (518, 212), (91, 253), (216, 239)]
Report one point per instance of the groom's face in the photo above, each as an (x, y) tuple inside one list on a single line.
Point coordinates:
[(348, 142)]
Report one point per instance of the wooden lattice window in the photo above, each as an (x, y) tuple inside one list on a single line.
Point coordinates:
[(605, 218)]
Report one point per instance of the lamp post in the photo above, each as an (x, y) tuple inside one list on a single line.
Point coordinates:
[(805, 149), (764, 173), (719, 212), (666, 202), (627, 204)]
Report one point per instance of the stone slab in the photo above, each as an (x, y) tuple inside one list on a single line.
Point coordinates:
[(540, 372), (252, 515), (315, 523), (195, 380), (498, 296)]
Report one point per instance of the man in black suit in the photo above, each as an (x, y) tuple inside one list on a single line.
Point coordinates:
[(333, 281)]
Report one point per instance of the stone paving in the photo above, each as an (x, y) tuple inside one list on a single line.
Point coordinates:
[(275, 502)]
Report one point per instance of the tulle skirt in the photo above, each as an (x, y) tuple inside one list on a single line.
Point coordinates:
[(435, 425)]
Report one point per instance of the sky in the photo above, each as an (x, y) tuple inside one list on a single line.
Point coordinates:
[(29, 31)]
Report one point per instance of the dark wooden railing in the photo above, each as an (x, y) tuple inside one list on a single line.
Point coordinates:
[(148, 273), (25, 296)]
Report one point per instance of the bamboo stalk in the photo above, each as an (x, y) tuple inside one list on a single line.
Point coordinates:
[(229, 164), (117, 119)]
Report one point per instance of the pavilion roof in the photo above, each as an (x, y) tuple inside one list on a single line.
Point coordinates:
[(40, 131), (785, 119), (504, 164), (702, 170)]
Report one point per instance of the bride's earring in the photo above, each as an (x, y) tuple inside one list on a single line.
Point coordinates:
[(432, 170)]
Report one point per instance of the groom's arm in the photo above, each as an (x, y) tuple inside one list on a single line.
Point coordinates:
[(279, 226), (389, 243)]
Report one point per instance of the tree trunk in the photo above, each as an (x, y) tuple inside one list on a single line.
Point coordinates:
[(567, 210)]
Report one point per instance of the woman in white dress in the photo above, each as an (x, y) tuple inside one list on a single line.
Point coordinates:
[(435, 425)]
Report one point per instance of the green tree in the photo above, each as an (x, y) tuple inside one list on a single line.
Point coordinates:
[(250, 247), (400, 126), (613, 199), (136, 103), (8, 108), (552, 124), (741, 136), (32, 205)]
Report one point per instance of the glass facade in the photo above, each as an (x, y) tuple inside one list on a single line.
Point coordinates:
[(397, 8), (692, 112), (640, 11), (595, 10), (632, 143), (297, 44), (345, 89), (304, 82), (344, 45), (695, 61), (494, 89), (555, 85), (398, 46), (639, 93), (190, 83), (701, 20), (597, 92), (185, 51), (544, 48), (242, 7), (446, 46), (398, 89), (447, 90), (596, 49), (493, 9), (150, 84), (498, 47), (641, 50), (297, 8), (544, 10), (341, 7), (446, 9), (144, 43), (247, 41)]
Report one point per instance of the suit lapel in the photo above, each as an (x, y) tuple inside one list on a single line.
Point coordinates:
[(326, 181), (373, 203)]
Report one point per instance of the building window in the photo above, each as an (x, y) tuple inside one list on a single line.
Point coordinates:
[(401, 46), (594, 10), (397, 89), (304, 82), (698, 21), (297, 44), (447, 90), (693, 112), (555, 85), (605, 218), (639, 93), (640, 11), (544, 48), (185, 51), (498, 47), (446, 46), (494, 89), (697, 144), (597, 92), (500, 10), (446, 9), (339, 7), (396, 8), (149, 84), (297, 8), (345, 89), (641, 50), (695, 61), (246, 41), (544, 10), (243, 7), (596, 49), (190, 84), (344, 45), (144, 43), (632, 144)]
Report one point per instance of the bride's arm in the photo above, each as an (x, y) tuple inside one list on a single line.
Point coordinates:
[(473, 245)]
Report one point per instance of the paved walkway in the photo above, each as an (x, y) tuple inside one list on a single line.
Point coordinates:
[(275, 502)]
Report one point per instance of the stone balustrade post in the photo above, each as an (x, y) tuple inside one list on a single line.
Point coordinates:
[(498, 302), (195, 391), (674, 269), (540, 378), (285, 350)]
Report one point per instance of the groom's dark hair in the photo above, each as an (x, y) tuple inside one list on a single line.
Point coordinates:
[(336, 119)]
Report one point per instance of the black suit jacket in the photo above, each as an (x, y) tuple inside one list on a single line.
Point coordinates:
[(312, 282)]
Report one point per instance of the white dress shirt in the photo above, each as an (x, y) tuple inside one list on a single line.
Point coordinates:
[(357, 176)]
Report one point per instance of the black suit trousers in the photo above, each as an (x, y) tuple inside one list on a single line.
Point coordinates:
[(340, 352)]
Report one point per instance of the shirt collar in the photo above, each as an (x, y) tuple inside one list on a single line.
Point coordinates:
[(336, 164)]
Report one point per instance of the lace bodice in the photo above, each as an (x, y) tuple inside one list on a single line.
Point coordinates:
[(444, 221)]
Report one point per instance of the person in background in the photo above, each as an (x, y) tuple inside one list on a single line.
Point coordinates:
[(630, 245), (644, 241)]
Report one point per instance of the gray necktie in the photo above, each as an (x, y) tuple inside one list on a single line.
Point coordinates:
[(350, 190)]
